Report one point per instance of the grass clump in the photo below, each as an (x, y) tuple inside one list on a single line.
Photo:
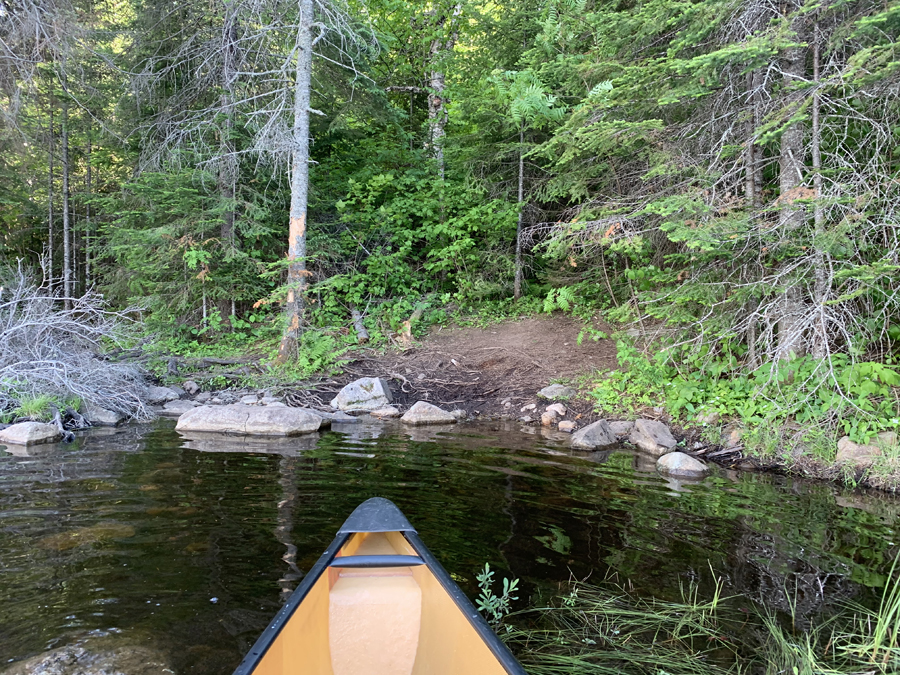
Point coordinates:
[(607, 629)]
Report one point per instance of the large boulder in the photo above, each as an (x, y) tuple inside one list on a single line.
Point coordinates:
[(622, 429), (30, 433), (425, 413), (681, 465), (101, 417), (593, 436), (366, 394), (653, 437), (556, 392), (160, 395), (250, 420)]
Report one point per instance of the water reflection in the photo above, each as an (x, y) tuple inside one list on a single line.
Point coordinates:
[(138, 529)]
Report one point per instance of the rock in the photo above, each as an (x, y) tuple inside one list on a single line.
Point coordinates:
[(178, 407), (731, 436), (30, 433), (249, 399), (558, 408), (84, 659), (181, 393), (339, 417), (596, 435), (864, 454), (681, 465), (459, 414), (530, 406), (101, 417), (385, 413), (556, 391), (250, 420), (526, 419), (269, 400), (190, 387), (652, 436), (548, 419), (710, 417), (160, 395), (203, 397), (366, 394), (277, 404), (621, 429), (567, 426), (425, 413)]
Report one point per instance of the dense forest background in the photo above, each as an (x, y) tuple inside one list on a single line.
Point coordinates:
[(722, 173)]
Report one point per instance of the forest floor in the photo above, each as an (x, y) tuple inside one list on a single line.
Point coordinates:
[(486, 371)]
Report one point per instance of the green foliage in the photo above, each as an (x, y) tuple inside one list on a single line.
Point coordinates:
[(37, 408), (494, 607)]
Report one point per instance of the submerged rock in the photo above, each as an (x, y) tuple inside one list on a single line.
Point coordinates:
[(425, 413), (85, 659), (366, 394), (681, 465), (596, 435), (652, 436), (556, 391), (30, 433), (250, 420), (82, 536)]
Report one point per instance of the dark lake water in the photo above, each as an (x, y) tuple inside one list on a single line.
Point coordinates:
[(182, 543)]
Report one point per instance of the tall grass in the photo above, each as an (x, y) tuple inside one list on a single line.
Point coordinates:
[(607, 629)]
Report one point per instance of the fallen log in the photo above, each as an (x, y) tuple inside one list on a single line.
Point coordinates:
[(362, 335)]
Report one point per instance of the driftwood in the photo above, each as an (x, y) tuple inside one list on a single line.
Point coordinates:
[(362, 335), (54, 346)]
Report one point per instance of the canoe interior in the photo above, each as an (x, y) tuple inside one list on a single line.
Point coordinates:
[(378, 621)]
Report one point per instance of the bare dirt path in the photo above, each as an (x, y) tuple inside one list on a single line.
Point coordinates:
[(486, 371)]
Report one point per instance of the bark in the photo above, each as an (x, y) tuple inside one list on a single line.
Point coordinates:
[(437, 111), (297, 273), (362, 335), (51, 233), (820, 292), (87, 219), (791, 216), (517, 284), (753, 153), (227, 161), (67, 227)]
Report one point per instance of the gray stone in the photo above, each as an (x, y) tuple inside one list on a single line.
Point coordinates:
[(181, 393), (681, 465), (596, 435), (340, 417), (567, 426), (459, 414), (425, 413), (863, 455), (731, 436), (652, 436), (101, 417), (622, 429), (30, 433), (386, 412), (277, 404), (249, 399), (160, 395), (526, 419), (269, 400), (85, 659), (366, 394), (190, 387), (176, 408), (556, 391), (250, 420), (709, 417), (558, 408), (530, 406), (203, 397)]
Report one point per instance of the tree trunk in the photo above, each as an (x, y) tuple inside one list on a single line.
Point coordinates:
[(819, 338), (67, 227), (437, 111), (753, 153), (297, 273), (792, 307), (87, 219), (227, 161), (517, 284), (50, 241)]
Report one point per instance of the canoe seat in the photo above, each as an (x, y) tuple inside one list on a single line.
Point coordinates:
[(375, 615)]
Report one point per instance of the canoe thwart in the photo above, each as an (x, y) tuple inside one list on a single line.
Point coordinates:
[(363, 561)]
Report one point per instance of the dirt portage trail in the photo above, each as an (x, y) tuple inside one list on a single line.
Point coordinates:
[(485, 371)]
